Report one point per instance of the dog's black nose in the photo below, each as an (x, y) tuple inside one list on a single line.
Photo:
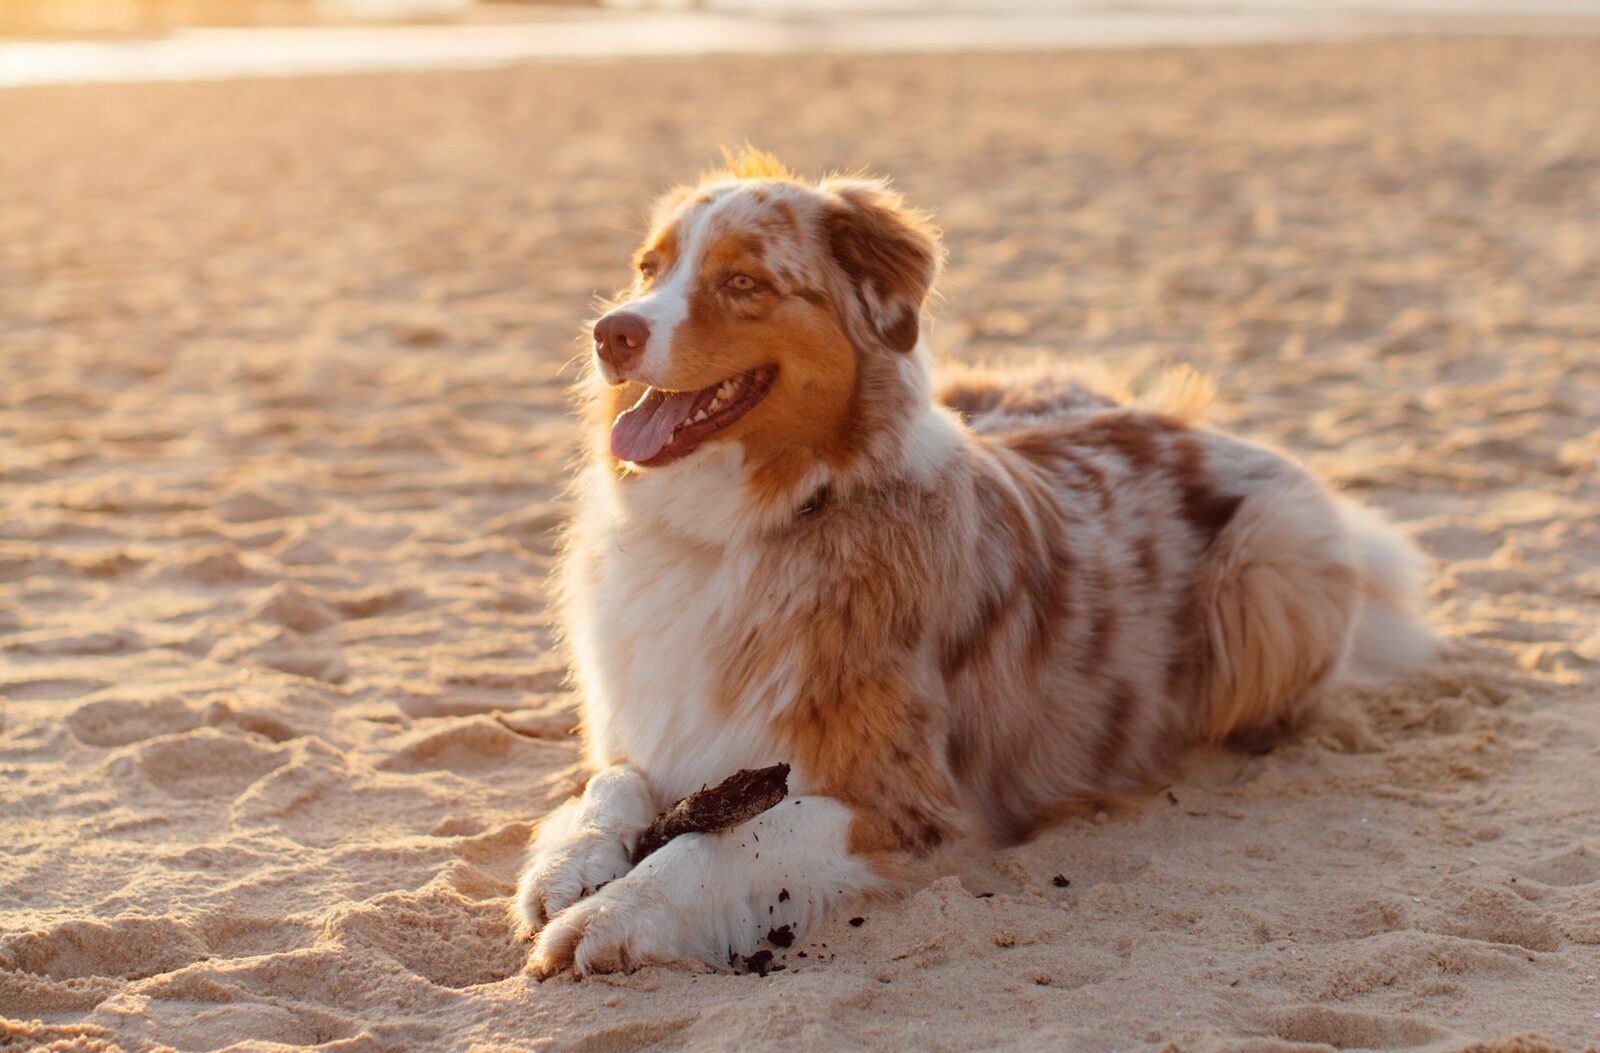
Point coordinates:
[(619, 339)]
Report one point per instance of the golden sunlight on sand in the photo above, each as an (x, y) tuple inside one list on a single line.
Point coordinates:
[(282, 442)]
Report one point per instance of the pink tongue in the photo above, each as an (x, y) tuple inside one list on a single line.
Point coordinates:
[(643, 431)]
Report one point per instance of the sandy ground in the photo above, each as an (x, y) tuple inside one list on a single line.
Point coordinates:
[(283, 435)]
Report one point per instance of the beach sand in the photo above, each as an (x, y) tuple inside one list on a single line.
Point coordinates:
[(284, 436)]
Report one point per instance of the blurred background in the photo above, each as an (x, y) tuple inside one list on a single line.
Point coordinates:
[(156, 39)]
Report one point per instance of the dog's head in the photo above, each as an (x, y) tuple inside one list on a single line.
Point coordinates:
[(765, 311)]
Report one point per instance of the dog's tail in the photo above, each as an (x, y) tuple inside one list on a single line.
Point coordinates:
[(1389, 638), (1298, 593)]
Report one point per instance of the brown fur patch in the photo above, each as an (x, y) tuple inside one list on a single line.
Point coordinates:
[(974, 643), (1102, 633), (661, 251), (1049, 602), (857, 727), (869, 746), (779, 221), (1037, 586), (1051, 456), (890, 256), (1206, 510), (1135, 437), (1121, 709), (970, 396), (1148, 559)]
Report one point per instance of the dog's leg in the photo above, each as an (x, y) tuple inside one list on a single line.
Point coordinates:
[(712, 896), (582, 845)]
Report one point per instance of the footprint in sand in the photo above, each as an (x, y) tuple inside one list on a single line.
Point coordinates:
[(202, 763), (167, 1007), (1495, 913), (313, 771), (116, 722), (246, 933), (436, 932), (130, 947), (467, 744), (498, 849), (122, 722)]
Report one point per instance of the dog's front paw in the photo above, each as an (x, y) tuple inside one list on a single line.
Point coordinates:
[(628, 924), (556, 878)]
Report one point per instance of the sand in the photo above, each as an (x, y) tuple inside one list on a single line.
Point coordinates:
[(284, 433)]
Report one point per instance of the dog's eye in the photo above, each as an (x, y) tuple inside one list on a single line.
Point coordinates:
[(742, 283), (647, 270)]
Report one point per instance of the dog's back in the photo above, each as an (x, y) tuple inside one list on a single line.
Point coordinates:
[(1162, 584)]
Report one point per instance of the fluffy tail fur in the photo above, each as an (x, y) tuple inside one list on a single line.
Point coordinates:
[(1302, 593), (1390, 638)]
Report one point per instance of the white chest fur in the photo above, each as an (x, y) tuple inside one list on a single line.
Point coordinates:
[(649, 617)]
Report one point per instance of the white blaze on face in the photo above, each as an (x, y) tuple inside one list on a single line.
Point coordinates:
[(665, 304)]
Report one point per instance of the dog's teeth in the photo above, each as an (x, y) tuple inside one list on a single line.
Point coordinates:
[(715, 405), (698, 417), (726, 390)]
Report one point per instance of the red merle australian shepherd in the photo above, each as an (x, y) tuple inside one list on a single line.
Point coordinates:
[(953, 609)]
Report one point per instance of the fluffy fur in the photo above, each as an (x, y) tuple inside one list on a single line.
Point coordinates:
[(952, 614)]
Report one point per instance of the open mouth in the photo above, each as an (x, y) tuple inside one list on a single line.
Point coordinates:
[(666, 425)]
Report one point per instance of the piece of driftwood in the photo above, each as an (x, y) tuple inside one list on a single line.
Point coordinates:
[(743, 795)]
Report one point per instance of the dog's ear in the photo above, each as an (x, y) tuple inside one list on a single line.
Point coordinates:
[(889, 256)]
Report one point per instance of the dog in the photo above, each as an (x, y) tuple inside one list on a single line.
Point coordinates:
[(953, 611)]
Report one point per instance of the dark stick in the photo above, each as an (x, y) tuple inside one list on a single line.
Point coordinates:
[(741, 796)]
